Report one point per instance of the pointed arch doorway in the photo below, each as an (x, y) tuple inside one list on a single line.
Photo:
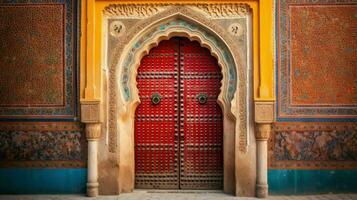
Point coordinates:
[(179, 124)]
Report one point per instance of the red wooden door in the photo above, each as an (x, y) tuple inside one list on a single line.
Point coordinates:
[(178, 126)]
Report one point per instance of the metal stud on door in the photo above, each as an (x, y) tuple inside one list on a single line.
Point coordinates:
[(178, 127)]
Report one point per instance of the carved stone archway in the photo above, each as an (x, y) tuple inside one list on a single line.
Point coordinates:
[(191, 22)]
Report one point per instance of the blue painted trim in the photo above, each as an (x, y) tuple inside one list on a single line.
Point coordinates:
[(292, 182), (42, 181)]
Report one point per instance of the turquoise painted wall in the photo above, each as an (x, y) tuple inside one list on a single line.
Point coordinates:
[(42, 181), (311, 181)]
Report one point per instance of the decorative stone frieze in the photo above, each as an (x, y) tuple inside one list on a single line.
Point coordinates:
[(228, 10)]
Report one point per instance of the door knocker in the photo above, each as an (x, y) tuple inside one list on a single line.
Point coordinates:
[(202, 98), (156, 98)]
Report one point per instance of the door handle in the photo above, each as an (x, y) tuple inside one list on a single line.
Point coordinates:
[(156, 98), (202, 98)]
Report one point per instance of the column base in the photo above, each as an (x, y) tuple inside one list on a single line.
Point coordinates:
[(92, 189), (262, 190)]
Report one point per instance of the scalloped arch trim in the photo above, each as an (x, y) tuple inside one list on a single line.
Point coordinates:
[(142, 44)]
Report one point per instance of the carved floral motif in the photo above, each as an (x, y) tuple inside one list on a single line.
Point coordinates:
[(146, 10)]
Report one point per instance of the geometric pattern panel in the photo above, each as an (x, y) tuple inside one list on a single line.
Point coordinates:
[(302, 145), (38, 59), (317, 58), (43, 144)]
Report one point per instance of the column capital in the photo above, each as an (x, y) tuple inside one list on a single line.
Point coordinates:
[(93, 131), (263, 131)]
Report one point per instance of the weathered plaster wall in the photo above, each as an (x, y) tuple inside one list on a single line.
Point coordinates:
[(314, 140), (42, 144)]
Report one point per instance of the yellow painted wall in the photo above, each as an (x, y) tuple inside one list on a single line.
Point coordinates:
[(91, 49)]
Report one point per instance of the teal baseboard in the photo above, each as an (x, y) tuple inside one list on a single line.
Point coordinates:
[(42, 181), (295, 182)]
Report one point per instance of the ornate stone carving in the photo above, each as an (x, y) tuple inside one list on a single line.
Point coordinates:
[(218, 49), (116, 28), (90, 111), (93, 131), (235, 29), (143, 24), (263, 131), (264, 112), (145, 10), (134, 10), (225, 10)]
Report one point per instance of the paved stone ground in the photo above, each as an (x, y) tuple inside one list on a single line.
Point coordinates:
[(158, 195)]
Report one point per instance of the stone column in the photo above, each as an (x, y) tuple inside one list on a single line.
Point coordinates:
[(264, 117), (90, 115), (262, 136), (93, 131)]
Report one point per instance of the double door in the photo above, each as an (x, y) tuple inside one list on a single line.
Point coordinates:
[(178, 124)]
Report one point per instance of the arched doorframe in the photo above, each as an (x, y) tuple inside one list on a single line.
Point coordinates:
[(239, 166)]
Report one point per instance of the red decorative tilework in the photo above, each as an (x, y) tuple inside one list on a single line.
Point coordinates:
[(313, 146), (38, 60), (323, 55), (316, 60), (32, 55)]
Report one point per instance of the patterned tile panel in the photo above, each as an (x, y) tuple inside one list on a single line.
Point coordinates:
[(313, 145), (42, 145), (316, 59), (38, 59)]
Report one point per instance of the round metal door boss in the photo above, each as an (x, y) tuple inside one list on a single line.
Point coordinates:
[(156, 98), (202, 98)]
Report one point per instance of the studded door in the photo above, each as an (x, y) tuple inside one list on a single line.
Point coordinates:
[(178, 125)]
